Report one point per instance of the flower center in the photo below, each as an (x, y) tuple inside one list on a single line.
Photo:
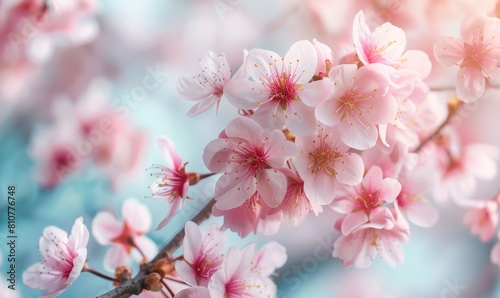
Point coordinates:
[(323, 157), (474, 55), (283, 91), (367, 201), (252, 159)]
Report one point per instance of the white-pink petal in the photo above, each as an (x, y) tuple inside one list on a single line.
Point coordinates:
[(349, 169), (137, 216), (300, 61), (105, 227), (167, 148), (449, 51), (314, 93), (470, 84), (321, 188), (272, 186)]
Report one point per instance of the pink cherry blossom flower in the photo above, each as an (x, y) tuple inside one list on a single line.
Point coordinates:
[(458, 166), (386, 45), (323, 163), (412, 201), (202, 253), (296, 205), (63, 259), (477, 54), (325, 59), (482, 218), (53, 24), (364, 204), (358, 103), (248, 156), (269, 258), (87, 130), (253, 216), (360, 247), (280, 90), (410, 91), (127, 237), (208, 86), (173, 182), (53, 150), (247, 274)]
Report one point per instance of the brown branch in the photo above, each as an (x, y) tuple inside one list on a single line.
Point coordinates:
[(453, 107), (135, 286)]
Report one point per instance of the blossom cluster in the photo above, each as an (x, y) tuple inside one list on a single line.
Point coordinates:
[(203, 270), (88, 130), (347, 134), (363, 135)]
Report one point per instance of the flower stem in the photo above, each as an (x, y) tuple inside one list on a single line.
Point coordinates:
[(96, 273), (176, 280), (453, 107), (172, 294)]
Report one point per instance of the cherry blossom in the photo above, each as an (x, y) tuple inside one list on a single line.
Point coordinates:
[(127, 237), (248, 156), (54, 24), (325, 59), (55, 156), (323, 163), (363, 205), (63, 259), (360, 247), (358, 103), (253, 216), (476, 53), (296, 205), (247, 274), (412, 200), (482, 218), (173, 182), (280, 90), (386, 45), (87, 130), (208, 86), (203, 254), (459, 165)]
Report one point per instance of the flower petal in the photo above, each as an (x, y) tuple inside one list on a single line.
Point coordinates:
[(352, 221), (231, 192), (272, 187), (349, 169), (106, 227), (167, 148), (245, 94), (470, 84), (116, 256), (321, 189), (314, 93), (137, 216), (449, 51), (203, 105), (301, 61)]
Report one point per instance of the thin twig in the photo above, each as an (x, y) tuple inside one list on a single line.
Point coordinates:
[(453, 107)]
